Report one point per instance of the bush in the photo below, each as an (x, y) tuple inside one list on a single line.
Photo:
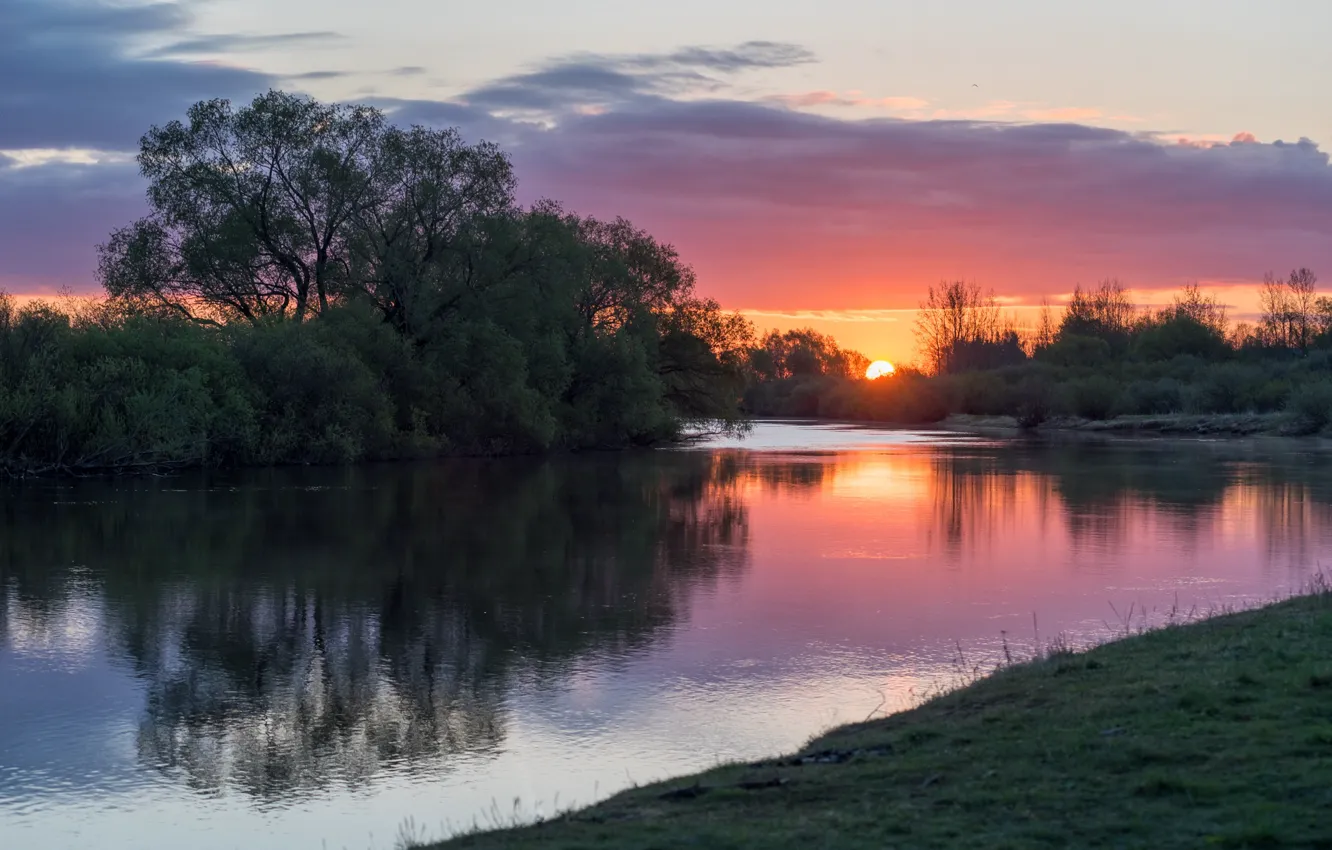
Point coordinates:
[(116, 392), (907, 398), (1179, 335), (1034, 401), (1310, 407), (1074, 351), (1094, 398), (1144, 397), (978, 394), (1226, 388), (318, 403), (1271, 396)]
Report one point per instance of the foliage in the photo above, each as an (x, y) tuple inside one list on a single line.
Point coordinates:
[(1151, 397), (314, 285), (1034, 401), (1310, 407), (1102, 359), (1072, 351), (1093, 397), (1104, 313)]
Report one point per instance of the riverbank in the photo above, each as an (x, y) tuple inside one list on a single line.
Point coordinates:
[(1217, 733), (1175, 425)]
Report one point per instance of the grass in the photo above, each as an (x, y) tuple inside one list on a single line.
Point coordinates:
[(1213, 734)]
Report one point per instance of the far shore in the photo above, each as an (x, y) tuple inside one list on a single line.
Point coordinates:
[(1173, 424), (1212, 425)]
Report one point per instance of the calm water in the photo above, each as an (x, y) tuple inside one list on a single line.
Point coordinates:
[(305, 659)]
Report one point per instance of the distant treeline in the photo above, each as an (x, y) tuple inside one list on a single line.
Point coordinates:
[(1102, 357), (314, 285)]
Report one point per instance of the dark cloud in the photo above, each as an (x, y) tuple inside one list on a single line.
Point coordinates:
[(751, 54), (779, 207), (317, 75), (237, 43), (774, 206), (73, 75), (558, 87), (72, 78), (596, 80), (1047, 174)]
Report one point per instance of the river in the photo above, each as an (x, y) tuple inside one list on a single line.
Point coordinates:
[(328, 658)]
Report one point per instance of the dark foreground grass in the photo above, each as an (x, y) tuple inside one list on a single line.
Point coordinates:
[(1215, 734)]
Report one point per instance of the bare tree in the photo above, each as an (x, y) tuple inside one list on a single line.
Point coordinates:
[(955, 313), (1045, 328), (1191, 303), (1104, 312), (1290, 317)]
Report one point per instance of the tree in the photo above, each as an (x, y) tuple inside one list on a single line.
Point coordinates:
[(1205, 310), (702, 359), (279, 208), (444, 225), (1103, 313), (1193, 324), (628, 273), (1324, 320), (1289, 310), (1045, 329), (955, 313), (805, 353)]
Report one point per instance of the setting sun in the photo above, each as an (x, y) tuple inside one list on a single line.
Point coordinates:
[(878, 369)]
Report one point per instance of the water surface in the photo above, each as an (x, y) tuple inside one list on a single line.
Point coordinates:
[(307, 658)]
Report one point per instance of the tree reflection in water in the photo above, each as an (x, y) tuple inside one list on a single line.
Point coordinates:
[(297, 628)]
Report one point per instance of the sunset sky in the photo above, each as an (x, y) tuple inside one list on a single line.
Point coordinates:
[(818, 163)]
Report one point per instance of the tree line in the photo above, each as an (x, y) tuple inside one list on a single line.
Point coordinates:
[(314, 284), (1101, 357)]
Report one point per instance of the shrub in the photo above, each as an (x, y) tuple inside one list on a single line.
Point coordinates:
[(1094, 398), (1226, 388), (1270, 396), (978, 393), (1179, 335), (908, 398), (1144, 397), (1034, 401), (1310, 407), (318, 403), (1074, 351)]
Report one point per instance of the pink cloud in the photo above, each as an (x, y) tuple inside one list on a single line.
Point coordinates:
[(806, 100), (788, 210)]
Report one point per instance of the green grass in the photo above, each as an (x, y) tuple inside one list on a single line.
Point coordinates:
[(1214, 734)]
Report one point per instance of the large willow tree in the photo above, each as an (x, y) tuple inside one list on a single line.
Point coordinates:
[(283, 206), (511, 326)]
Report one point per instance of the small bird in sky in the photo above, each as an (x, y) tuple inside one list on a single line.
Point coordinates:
[(975, 85)]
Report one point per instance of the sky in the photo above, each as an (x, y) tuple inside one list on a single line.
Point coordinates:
[(818, 164)]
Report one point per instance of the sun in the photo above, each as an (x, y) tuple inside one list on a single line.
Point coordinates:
[(878, 369)]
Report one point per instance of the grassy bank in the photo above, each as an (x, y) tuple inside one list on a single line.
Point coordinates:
[(1217, 734)]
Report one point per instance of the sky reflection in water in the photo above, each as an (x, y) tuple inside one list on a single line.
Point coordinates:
[(306, 658)]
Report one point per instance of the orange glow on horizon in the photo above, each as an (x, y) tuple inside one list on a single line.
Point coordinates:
[(890, 332)]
